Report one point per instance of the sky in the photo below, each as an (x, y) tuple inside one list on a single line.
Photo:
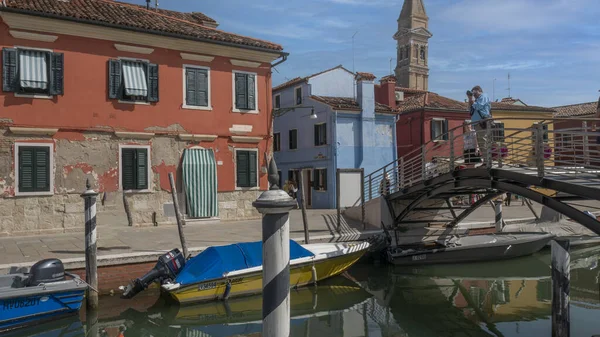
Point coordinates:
[(551, 48)]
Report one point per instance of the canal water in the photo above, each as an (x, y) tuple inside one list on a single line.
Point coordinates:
[(507, 298)]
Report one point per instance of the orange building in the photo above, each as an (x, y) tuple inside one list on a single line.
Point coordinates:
[(123, 95)]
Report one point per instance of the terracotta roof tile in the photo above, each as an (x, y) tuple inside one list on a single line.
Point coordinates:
[(388, 78), (430, 100), (582, 109), (514, 107), (297, 80), (409, 90), (365, 76), (125, 15), (349, 104)]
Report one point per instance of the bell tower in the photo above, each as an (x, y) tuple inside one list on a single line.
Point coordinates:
[(412, 37)]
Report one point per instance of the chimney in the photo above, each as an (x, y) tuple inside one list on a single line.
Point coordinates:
[(365, 93), (385, 92)]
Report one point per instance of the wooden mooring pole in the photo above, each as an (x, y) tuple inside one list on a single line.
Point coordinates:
[(178, 215), (303, 205), (91, 263), (275, 206), (561, 278), (498, 220)]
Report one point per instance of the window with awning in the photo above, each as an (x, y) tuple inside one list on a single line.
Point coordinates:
[(132, 80), (32, 71)]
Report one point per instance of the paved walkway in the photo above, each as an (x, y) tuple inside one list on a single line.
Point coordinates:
[(117, 241)]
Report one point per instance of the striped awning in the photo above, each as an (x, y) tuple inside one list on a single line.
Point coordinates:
[(200, 180), (134, 75), (33, 69)]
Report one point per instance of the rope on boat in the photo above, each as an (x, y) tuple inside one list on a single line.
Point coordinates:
[(77, 279), (227, 290), (314, 274)]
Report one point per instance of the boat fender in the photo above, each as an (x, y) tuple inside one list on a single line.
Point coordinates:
[(227, 290), (314, 275)]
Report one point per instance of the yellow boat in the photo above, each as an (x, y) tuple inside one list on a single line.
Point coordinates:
[(308, 264)]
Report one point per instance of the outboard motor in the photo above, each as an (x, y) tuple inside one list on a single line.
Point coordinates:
[(46, 271), (167, 268)]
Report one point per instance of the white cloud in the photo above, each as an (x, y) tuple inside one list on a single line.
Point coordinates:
[(333, 22)]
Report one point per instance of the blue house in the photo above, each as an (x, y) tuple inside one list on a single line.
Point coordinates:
[(350, 130)]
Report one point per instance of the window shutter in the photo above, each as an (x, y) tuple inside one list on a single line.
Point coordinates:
[(252, 171), (152, 83), (202, 76), (190, 86), (114, 79), (9, 70), (56, 73), (242, 169), (142, 169), (324, 131), (445, 129), (241, 100), (42, 169), (251, 93), (26, 168), (324, 179), (316, 136), (432, 125), (128, 168)]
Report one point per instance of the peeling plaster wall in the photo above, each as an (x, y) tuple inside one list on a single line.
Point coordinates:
[(79, 156)]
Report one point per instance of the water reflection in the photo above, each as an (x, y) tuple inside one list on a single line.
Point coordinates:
[(507, 298)]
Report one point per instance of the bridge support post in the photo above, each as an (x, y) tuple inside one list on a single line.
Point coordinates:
[(561, 275), (275, 206), (498, 210), (586, 144), (539, 149)]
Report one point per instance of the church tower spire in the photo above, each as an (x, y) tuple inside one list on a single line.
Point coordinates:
[(412, 70)]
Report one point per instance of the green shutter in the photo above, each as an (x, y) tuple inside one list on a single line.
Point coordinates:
[(26, 169), (293, 141), (242, 169), (34, 169), (202, 77), (190, 87), (241, 98), (56, 73), (141, 169), (316, 134), (432, 129), (9, 70), (152, 83), (324, 131), (42, 169), (251, 93), (252, 168), (324, 179), (128, 168), (115, 82)]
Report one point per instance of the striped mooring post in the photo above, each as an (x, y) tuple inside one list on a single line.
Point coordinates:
[(91, 265), (561, 279), (498, 211), (275, 206)]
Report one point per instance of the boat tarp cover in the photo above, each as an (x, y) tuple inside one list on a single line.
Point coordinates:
[(215, 261)]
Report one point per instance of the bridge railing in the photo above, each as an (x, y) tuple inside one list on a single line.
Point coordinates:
[(557, 147)]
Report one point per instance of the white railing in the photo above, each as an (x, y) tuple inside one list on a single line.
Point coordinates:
[(553, 148)]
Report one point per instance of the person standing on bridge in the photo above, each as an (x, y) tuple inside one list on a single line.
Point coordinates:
[(480, 109)]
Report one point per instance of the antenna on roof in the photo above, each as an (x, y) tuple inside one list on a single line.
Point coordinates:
[(353, 70), (148, 4), (156, 4), (391, 65)]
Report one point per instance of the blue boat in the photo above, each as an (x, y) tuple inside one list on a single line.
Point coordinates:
[(42, 295)]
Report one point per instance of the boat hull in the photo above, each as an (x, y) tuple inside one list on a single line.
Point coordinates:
[(476, 253), (251, 283)]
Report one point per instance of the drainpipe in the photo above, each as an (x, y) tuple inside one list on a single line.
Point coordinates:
[(283, 59), (334, 149)]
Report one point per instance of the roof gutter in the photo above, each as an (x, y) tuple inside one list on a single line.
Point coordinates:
[(283, 56), (139, 30)]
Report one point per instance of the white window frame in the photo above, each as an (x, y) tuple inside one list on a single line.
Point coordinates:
[(42, 96), (323, 123), (317, 183), (138, 60), (51, 173), (296, 95), (288, 144), (150, 178), (277, 133), (235, 151), (194, 107), (275, 100), (234, 109), (436, 139)]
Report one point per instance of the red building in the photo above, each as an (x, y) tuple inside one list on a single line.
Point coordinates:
[(123, 95), (570, 147)]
